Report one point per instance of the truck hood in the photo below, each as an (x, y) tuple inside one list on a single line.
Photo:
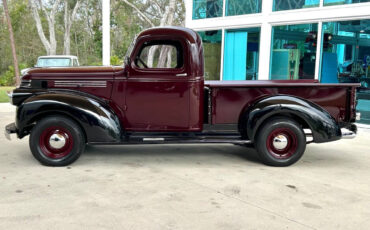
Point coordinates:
[(83, 72)]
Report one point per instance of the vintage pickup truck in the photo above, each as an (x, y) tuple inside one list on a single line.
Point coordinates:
[(159, 96)]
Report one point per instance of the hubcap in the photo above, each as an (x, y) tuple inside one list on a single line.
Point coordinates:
[(57, 141), (280, 142)]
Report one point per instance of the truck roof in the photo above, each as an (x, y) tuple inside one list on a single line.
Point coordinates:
[(187, 33)]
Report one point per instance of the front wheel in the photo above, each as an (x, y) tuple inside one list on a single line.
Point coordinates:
[(56, 141), (280, 142)]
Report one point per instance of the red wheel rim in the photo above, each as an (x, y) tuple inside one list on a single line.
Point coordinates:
[(65, 138), (287, 149)]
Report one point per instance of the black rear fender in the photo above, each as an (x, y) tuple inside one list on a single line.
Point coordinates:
[(309, 115), (95, 117)]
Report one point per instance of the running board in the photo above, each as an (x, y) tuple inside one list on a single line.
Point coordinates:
[(178, 140)]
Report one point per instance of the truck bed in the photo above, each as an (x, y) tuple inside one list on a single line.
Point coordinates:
[(228, 97)]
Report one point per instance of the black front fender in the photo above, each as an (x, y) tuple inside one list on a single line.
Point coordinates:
[(97, 120), (324, 127)]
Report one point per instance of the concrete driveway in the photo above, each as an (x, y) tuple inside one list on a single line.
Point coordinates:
[(185, 187)]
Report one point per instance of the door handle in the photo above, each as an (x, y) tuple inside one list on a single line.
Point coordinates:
[(182, 75)]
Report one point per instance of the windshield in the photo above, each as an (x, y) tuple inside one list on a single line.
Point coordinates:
[(53, 62), (130, 48)]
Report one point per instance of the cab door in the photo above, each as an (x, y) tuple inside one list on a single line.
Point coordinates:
[(158, 85)]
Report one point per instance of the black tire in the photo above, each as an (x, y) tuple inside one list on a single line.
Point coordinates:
[(63, 127), (276, 133)]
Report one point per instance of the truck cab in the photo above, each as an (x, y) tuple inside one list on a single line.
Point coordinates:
[(164, 79), (159, 96)]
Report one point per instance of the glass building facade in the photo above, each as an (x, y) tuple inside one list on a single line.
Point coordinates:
[(241, 54), (293, 54), (294, 4), (240, 7), (207, 8), (259, 45), (212, 53), (341, 2)]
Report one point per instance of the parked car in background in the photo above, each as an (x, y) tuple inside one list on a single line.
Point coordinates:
[(55, 61)]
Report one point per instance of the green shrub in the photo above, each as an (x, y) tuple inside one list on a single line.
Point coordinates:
[(8, 78), (115, 60), (95, 64)]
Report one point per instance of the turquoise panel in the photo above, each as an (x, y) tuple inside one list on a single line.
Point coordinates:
[(329, 72), (280, 65), (235, 55)]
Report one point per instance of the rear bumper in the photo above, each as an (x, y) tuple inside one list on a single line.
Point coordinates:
[(10, 129), (349, 132)]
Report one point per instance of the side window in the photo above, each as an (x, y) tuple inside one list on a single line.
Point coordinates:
[(162, 55)]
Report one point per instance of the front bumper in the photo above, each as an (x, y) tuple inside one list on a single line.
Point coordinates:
[(349, 132), (10, 129)]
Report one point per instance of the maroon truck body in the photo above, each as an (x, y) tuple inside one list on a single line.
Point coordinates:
[(177, 100)]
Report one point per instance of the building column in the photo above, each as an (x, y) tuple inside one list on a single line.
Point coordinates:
[(265, 42), (319, 47), (106, 32), (188, 12)]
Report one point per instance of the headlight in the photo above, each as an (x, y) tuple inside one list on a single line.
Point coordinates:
[(25, 84)]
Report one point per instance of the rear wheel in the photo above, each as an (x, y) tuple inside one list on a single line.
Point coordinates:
[(56, 141), (280, 142)]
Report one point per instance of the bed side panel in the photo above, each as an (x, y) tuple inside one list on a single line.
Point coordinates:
[(229, 102)]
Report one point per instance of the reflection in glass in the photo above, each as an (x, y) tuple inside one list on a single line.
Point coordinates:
[(294, 4), (341, 2), (346, 55), (159, 56), (346, 59), (239, 7), (207, 8), (293, 52), (212, 53)]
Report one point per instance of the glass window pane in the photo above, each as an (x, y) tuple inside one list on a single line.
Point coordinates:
[(293, 52), (207, 8), (212, 53), (160, 56), (241, 54), (346, 58), (346, 52), (53, 62), (239, 7), (294, 4), (341, 2)]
